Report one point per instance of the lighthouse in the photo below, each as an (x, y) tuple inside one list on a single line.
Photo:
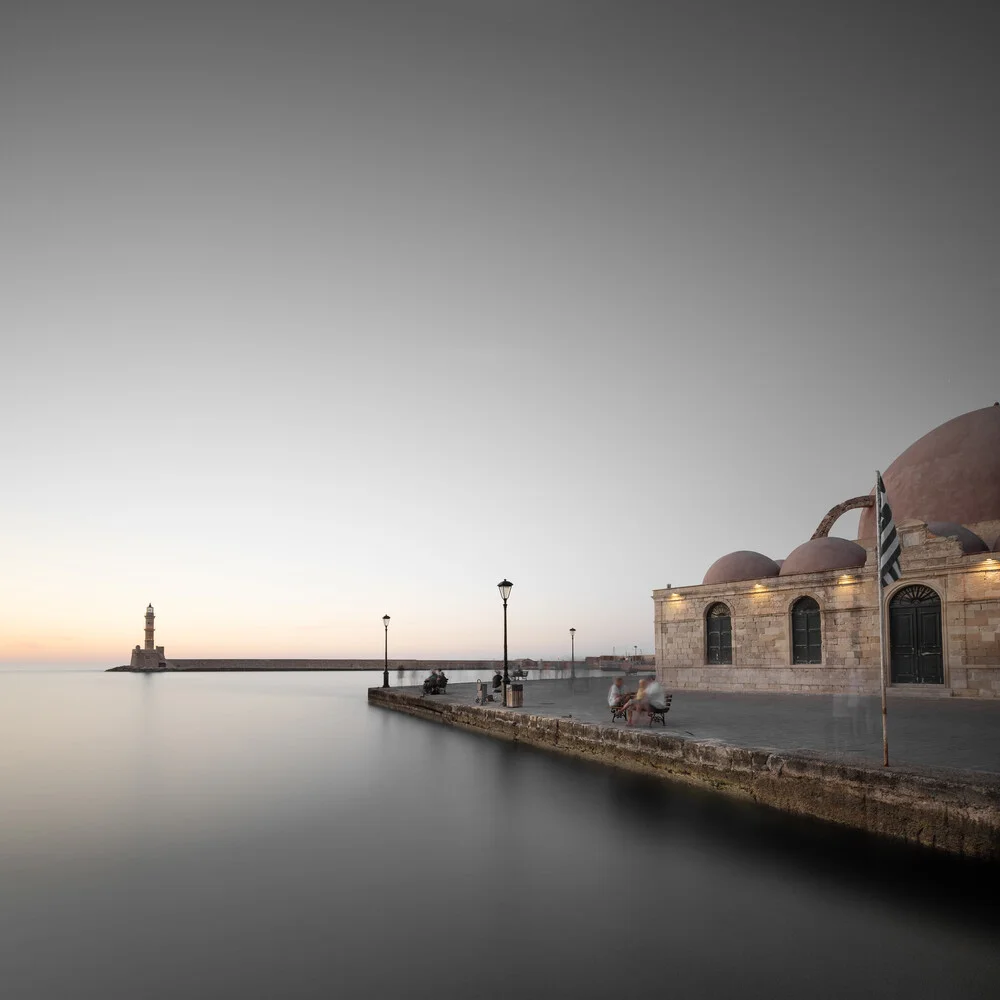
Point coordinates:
[(150, 656), (149, 626)]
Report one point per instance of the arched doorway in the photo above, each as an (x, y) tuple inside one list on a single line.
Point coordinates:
[(915, 636), (719, 634), (807, 635)]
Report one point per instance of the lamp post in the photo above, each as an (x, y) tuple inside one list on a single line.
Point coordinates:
[(572, 653), (504, 587), (385, 672)]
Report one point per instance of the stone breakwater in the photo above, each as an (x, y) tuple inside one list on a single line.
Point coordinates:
[(208, 666), (955, 811)]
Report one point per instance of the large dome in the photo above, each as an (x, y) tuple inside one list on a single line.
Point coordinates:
[(743, 565), (951, 474), (819, 555)]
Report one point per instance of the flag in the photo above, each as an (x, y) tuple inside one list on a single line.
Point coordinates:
[(888, 540)]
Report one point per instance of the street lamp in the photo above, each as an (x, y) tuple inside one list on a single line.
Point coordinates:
[(504, 587), (572, 653), (385, 672)]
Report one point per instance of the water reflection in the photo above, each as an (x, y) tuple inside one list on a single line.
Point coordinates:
[(272, 836)]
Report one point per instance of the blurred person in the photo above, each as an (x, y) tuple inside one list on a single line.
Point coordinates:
[(617, 695), (637, 706), (650, 696)]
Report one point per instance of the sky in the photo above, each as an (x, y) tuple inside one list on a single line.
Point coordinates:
[(316, 312)]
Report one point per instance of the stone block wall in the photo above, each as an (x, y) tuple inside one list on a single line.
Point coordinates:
[(148, 659), (968, 585), (762, 627)]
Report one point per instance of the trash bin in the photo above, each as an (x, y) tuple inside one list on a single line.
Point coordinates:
[(515, 695)]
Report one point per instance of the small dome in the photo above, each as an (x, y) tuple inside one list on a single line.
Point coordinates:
[(969, 540), (742, 565), (819, 555)]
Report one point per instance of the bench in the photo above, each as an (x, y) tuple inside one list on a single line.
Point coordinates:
[(434, 686), (660, 713), (621, 711)]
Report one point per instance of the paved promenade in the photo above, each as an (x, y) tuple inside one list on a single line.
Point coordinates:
[(924, 731)]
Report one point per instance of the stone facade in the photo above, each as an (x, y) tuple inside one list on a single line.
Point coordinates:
[(968, 586), (148, 659)]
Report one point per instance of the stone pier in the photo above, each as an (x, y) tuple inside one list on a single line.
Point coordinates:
[(955, 811)]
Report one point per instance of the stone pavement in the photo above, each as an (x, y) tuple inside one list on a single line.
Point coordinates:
[(926, 731)]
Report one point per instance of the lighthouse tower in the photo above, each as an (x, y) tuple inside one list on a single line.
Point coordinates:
[(149, 626), (150, 657)]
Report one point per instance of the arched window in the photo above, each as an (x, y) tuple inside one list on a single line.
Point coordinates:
[(719, 634), (807, 635)]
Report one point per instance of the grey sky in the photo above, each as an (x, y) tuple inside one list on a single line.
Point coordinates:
[(314, 312)]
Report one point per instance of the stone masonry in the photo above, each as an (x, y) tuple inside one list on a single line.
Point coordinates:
[(968, 586)]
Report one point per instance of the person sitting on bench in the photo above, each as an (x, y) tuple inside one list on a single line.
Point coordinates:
[(649, 696), (435, 682), (617, 695), (497, 680)]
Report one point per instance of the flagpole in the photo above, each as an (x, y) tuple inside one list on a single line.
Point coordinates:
[(881, 615)]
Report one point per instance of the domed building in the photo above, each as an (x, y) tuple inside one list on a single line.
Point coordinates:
[(810, 622), (951, 474)]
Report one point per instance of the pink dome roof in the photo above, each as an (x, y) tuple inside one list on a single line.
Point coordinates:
[(819, 555), (742, 565), (951, 474), (969, 540)]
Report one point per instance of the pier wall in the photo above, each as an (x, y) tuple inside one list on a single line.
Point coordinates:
[(955, 811), (486, 667), (344, 664)]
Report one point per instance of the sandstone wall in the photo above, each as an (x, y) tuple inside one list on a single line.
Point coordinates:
[(968, 585)]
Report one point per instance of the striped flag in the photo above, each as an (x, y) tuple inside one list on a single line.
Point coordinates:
[(888, 540)]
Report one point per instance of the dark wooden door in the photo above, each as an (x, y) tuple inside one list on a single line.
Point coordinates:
[(915, 637), (930, 661)]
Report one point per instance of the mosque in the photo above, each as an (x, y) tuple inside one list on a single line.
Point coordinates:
[(810, 622)]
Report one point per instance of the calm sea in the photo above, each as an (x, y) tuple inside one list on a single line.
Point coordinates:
[(271, 836)]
